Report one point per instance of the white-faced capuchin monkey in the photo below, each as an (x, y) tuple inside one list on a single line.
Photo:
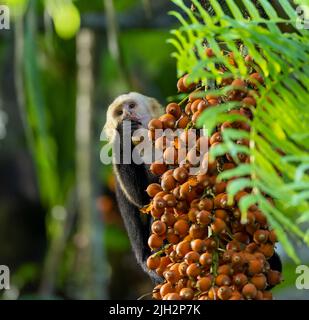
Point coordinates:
[(133, 179)]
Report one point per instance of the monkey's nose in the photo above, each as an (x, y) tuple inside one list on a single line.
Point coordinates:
[(126, 114), (129, 115)]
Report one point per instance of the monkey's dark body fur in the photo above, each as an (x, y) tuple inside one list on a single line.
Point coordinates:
[(135, 178), (132, 181)]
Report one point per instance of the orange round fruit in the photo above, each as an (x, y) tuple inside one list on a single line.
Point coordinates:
[(249, 291), (186, 294), (174, 110), (153, 262), (153, 189), (158, 227), (168, 121), (204, 284), (155, 241), (155, 124), (158, 168)]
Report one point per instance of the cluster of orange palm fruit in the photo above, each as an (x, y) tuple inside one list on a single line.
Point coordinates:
[(199, 245)]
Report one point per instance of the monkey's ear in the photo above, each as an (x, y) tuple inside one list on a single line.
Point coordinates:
[(109, 130), (110, 124), (156, 109)]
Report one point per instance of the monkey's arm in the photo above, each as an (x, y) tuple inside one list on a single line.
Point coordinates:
[(132, 181), (138, 231)]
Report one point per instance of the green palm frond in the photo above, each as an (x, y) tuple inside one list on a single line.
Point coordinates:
[(279, 135)]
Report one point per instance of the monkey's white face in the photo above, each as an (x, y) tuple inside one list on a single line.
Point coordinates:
[(132, 107)]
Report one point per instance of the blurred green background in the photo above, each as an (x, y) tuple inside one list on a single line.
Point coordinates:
[(61, 64)]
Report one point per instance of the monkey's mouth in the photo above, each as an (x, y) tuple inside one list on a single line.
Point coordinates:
[(132, 118), (136, 125), (135, 120)]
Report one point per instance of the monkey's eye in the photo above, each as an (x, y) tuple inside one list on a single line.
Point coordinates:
[(132, 105), (119, 112)]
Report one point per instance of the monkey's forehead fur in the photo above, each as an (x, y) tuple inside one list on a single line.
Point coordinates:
[(146, 109)]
